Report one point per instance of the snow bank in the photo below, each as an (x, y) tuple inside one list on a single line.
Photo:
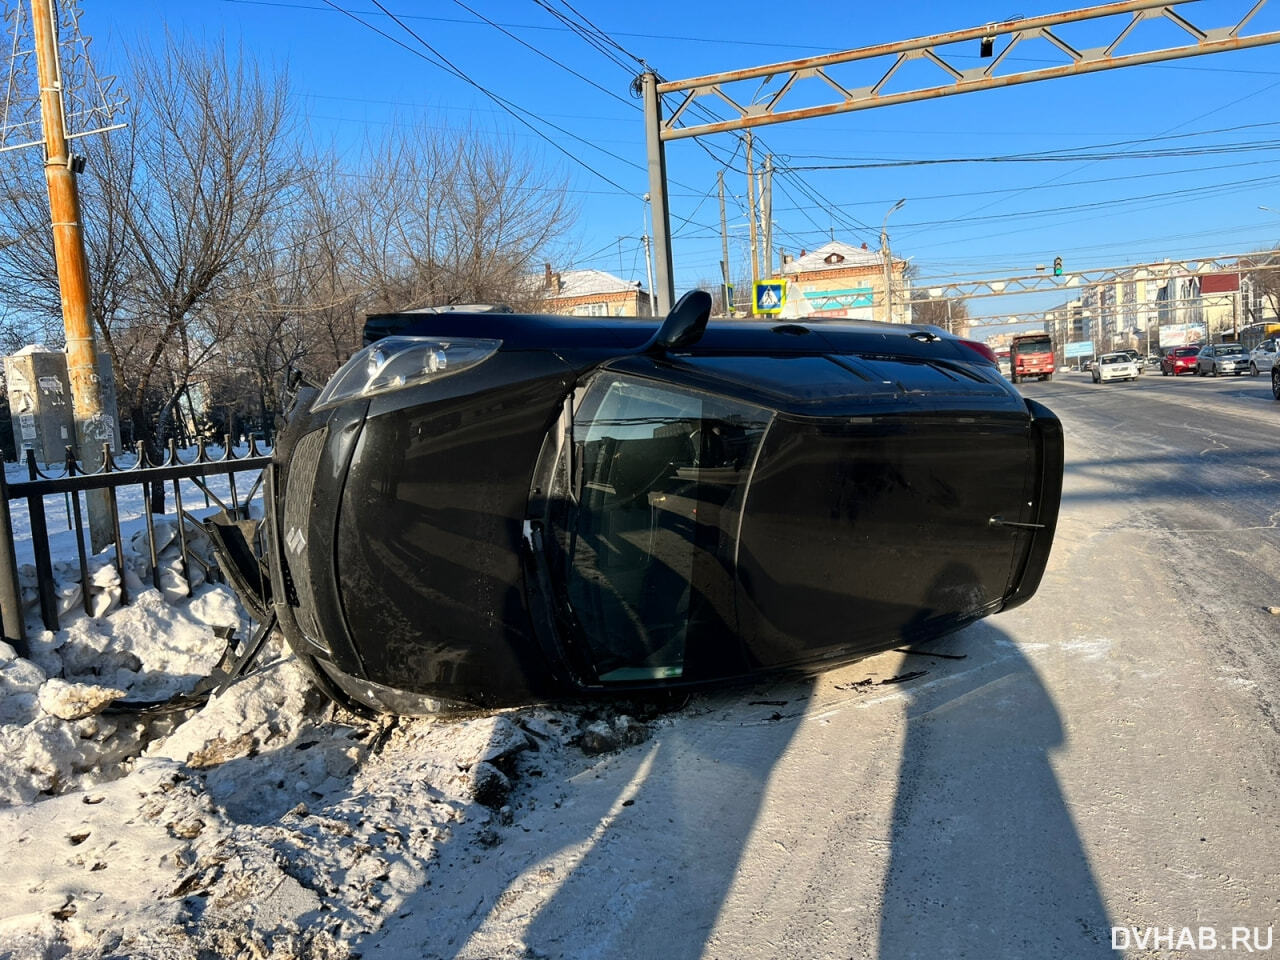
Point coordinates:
[(267, 823)]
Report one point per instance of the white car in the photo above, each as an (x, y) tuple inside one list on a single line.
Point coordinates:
[(1263, 356), (1115, 366)]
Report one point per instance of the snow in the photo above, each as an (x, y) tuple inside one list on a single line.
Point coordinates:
[(265, 823)]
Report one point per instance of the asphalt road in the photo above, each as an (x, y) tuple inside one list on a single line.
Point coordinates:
[(1099, 768)]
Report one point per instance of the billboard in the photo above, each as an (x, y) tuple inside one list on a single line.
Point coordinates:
[(1181, 334), (1079, 348)]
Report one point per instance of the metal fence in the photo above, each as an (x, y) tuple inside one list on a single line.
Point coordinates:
[(74, 482)]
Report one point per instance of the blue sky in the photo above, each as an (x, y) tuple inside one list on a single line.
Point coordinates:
[(1216, 119)]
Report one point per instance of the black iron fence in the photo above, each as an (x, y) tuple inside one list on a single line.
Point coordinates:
[(74, 483)]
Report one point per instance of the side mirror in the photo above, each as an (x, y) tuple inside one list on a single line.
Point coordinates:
[(684, 325)]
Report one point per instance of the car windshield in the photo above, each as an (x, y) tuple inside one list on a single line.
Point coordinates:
[(1116, 358), (1186, 352), (1228, 349)]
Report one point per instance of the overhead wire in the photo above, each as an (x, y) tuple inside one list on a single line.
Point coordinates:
[(512, 109)]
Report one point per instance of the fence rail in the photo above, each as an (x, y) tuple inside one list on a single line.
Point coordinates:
[(110, 478)]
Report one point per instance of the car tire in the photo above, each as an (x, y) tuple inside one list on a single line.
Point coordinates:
[(1213, 372), (1275, 383), (1253, 369), (1164, 372)]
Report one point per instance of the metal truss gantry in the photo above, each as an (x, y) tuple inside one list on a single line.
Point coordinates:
[(772, 109)]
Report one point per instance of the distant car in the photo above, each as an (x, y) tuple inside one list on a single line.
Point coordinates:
[(1179, 360), (1263, 357), (1086, 366), (1153, 360), (1216, 359), (489, 509), (1137, 359), (1115, 366)]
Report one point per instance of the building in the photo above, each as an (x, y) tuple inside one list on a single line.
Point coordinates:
[(590, 293), (841, 280)]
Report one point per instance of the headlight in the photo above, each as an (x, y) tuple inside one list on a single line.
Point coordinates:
[(394, 363)]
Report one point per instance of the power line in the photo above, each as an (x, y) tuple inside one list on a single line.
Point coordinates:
[(511, 108)]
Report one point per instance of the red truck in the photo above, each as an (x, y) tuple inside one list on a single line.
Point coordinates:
[(1032, 355)]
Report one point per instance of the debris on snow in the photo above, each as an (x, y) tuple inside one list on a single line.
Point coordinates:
[(75, 701)]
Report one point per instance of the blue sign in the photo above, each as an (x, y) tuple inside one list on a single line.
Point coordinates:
[(840, 299), (1080, 348), (770, 296)]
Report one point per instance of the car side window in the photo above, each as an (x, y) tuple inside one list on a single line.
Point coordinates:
[(657, 481)]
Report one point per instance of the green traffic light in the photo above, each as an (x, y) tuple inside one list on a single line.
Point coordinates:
[(1057, 266)]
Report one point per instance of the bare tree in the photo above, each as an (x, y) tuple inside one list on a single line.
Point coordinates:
[(948, 313), (204, 164), (463, 220), (1266, 283), (220, 256)]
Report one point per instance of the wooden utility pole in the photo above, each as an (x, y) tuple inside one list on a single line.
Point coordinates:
[(93, 426), (724, 251)]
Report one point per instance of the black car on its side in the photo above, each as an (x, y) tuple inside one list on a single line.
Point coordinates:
[(484, 509)]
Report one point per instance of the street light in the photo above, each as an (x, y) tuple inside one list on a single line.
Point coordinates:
[(888, 261)]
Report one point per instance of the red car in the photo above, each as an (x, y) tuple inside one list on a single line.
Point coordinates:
[(1179, 359)]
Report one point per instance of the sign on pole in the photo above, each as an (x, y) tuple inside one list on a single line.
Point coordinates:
[(1181, 334), (1078, 348), (770, 296)]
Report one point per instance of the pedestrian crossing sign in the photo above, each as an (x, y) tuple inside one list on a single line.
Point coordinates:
[(770, 296)]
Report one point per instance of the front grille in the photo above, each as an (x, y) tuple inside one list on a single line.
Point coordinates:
[(300, 484)]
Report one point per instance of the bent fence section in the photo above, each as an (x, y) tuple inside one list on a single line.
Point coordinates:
[(75, 482)]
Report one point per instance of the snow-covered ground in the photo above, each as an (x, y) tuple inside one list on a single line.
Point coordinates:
[(263, 824)]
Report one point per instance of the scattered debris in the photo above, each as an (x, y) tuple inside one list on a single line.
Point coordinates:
[(856, 685), (490, 787), (904, 677), (932, 653)]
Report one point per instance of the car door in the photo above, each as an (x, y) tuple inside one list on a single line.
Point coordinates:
[(646, 505), (1263, 356)]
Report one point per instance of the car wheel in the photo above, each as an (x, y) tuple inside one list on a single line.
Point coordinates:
[(1214, 371), (1275, 384), (1253, 369), (1164, 372)]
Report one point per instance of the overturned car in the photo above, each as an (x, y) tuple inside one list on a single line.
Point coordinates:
[(488, 508)]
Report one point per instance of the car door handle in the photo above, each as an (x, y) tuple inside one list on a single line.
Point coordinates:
[(998, 521)]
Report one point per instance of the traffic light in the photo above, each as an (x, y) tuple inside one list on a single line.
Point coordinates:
[(1057, 266)]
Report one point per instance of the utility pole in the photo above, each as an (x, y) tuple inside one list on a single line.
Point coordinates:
[(648, 267), (656, 150), (724, 251), (887, 257), (751, 217), (93, 426), (767, 214)]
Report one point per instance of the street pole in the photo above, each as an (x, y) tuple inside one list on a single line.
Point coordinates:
[(94, 426), (887, 257), (751, 201), (648, 268), (657, 153), (724, 251), (766, 214)]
